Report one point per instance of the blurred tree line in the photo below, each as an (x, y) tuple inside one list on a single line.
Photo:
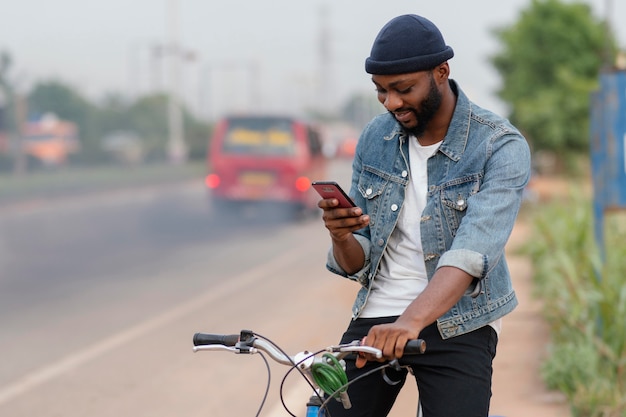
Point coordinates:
[(144, 118), (549, 62)]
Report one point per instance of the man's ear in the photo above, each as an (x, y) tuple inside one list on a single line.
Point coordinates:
[(441, 73)]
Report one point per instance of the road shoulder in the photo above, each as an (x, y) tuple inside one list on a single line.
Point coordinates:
[(518, 389)]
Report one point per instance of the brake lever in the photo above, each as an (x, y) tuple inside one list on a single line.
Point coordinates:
[(233, 349), (356, 346)]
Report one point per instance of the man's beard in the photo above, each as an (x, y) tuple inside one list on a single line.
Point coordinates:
[(427, 110)]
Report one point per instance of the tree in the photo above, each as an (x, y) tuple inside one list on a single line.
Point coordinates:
[(61, 99), (113, 114), (149, 119), (549, 64), (145, 117), (7, 94), (5, 65)]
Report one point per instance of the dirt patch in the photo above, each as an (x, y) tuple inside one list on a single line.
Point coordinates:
[(546, 188)]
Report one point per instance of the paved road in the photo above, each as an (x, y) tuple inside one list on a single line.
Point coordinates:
[(100, 296)]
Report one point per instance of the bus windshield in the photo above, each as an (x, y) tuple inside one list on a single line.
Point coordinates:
[(268, 136)]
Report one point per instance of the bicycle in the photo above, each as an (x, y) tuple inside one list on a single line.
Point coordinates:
[(324, 370)]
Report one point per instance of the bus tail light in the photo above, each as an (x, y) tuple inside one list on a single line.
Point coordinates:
[(212, 181), (303, 184)]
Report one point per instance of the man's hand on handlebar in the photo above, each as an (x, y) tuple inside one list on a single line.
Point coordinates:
[(391, 339)]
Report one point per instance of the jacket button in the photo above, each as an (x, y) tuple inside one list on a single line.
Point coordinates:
[(380, 242), (394, 207), (404, 174), (368, 191)]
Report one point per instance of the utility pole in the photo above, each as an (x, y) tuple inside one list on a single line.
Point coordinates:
[(177, 149), (20, 165), (4, 139)]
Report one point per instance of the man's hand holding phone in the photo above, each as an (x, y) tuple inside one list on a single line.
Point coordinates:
[(341, 215)]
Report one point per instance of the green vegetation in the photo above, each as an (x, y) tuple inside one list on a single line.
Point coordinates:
[(145, 116), (549, 63), (584, 295)]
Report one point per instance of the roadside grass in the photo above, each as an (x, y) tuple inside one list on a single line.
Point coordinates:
[(70, 180), (584, 297)]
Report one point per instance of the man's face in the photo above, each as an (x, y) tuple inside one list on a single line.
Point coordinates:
[(413, 99)]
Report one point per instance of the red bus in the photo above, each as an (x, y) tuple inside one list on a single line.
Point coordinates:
[(264, 159)]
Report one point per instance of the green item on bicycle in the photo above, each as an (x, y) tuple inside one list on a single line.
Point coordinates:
[(330, 376)]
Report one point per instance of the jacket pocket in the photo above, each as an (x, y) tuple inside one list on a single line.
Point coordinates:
[(371, 184), (454, 199)]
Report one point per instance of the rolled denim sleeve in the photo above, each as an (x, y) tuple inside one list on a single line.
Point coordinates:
[(361, 275), (472, 262)]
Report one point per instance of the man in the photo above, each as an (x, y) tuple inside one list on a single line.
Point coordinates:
[(438, 183)]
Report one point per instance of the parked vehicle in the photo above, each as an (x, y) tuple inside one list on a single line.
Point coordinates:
[(264, 159), (50, 140)]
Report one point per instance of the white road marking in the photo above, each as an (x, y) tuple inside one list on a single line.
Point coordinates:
[(44, 374)]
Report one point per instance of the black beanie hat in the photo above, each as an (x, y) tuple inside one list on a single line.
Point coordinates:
[(407, 43)]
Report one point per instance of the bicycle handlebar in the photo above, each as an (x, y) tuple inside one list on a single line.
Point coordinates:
[(245, 342), (327, 371), (200, 339), (415, 347)]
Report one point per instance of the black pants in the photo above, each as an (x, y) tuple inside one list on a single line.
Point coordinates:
[(453, 376)]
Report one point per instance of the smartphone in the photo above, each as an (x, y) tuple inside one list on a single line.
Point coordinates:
[(330, 189)]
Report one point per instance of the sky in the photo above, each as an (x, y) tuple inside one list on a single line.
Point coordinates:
[(244, 55)]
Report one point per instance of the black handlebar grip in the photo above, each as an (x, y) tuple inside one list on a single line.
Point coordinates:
[(415, 347), (215, 339)]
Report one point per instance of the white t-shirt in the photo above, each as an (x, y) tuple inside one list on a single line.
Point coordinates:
[(402, 274)]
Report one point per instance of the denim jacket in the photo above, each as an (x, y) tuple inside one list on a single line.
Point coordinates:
[(475, 185)]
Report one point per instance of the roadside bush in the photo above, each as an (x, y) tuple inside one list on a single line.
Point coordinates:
[(584, 294)]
